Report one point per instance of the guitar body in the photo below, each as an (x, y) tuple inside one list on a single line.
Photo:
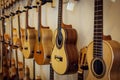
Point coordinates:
[(111, 50), (15, 37), (65, 59), (28, 46), (22, 36), (43, 48)]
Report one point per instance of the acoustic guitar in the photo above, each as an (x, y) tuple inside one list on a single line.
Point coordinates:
[(18, 42), (102, 55), (28, 47), (44, 45), (64, 57)]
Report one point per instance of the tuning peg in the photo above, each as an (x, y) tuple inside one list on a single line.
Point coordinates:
[(6, 16), (12, 14), (28, 7), (2, 18), (23, 10), (34, 6), (18, 11)]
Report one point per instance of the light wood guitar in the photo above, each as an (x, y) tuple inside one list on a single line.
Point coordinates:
[(64, 57), (28, 47), (19, 30), (44, 45), (102, 55)]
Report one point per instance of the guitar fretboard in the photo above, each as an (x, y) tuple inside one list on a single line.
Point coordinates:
[(19, 25), (98, 28), (60, 14)]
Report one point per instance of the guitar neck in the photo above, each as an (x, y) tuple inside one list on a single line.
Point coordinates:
[(19, 34), (17, 62), (39, 20), (98, 28), (26, 23), (51, 73), (60, 15), (11, 30)]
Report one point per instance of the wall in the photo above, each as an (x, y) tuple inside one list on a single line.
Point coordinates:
[(82, 19)]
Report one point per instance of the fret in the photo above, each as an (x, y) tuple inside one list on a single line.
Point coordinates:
[(98, 37), (97, 46), (98, 8), (97, 49), (98, 33), (98, 22), (96, 26), (98, 17), (97, 55), (98, 30), (98, 13), (98, 40), (98, 2)]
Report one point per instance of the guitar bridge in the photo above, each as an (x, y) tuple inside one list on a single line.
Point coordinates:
[(59, 58), (26, 48), (38, 52)]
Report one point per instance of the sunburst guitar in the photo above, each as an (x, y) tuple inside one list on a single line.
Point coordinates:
[(102, 55)]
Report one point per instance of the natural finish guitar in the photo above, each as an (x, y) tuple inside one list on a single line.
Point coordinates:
[(28, 47), (102, 56), (64, 57), (44, 45)]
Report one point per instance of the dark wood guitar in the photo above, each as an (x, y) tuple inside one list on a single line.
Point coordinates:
[(44, 45), (102, 55), (64, 57), (28, 47)]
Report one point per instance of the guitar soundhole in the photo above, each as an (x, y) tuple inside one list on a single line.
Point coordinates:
[(98, 67), (59, 40)]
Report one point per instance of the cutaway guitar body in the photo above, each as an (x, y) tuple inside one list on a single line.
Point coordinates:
[(43, 48), (111, 50)]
